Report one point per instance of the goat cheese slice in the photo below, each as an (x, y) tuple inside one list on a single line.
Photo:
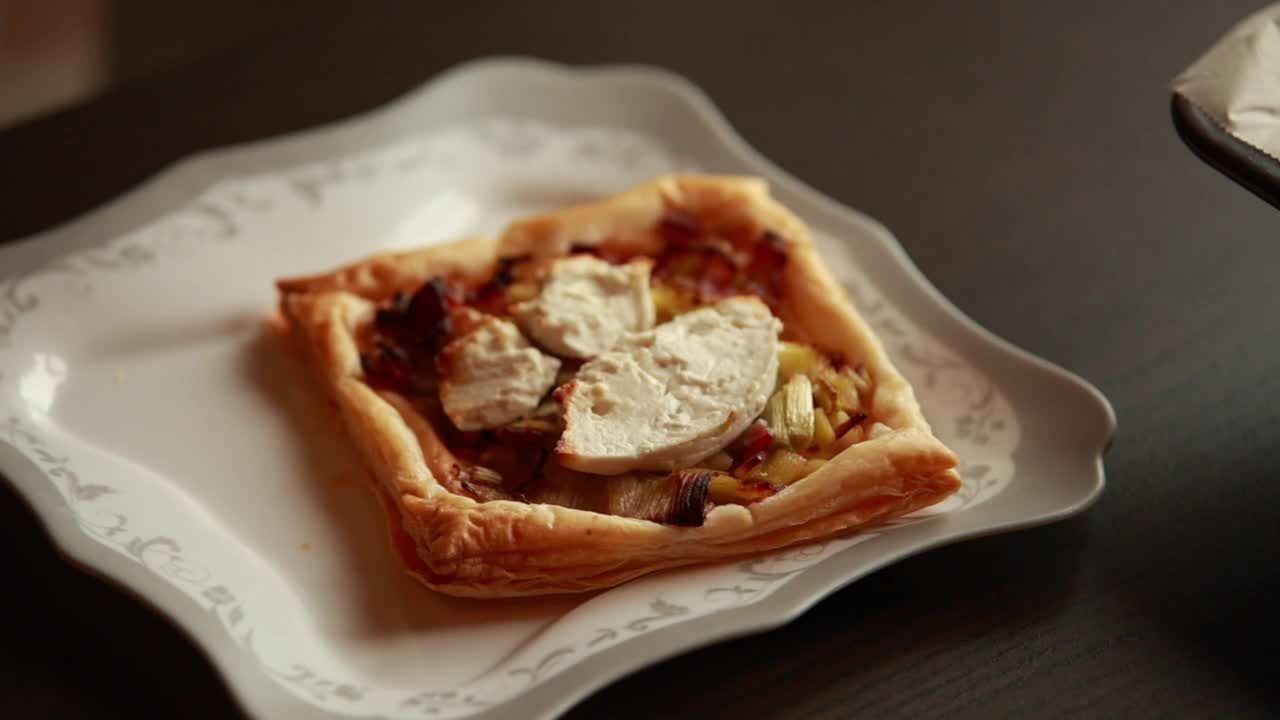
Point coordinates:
[(492, 376), (670, 397), (586, 305)]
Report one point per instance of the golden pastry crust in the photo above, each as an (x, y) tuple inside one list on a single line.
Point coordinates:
[(507, 548)]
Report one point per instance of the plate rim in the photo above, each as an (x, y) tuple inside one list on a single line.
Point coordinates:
[(186, 178)]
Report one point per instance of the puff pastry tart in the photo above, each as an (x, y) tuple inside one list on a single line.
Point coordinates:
[(665, 377)]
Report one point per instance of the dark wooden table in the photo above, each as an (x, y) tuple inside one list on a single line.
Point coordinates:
[(1023, 154)]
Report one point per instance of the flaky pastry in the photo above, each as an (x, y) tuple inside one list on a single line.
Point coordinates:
[(869, 457)]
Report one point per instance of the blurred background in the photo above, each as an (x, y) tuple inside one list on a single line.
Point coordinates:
[(57, 52)]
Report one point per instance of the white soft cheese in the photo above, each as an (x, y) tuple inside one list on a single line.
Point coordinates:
[(586, 305), (672, 396), (492, 376)]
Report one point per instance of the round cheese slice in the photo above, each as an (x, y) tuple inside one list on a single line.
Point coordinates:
[(492, 376), (669, 397), (586, 305)]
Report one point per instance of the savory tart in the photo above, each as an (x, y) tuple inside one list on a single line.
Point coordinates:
[(668, 376)]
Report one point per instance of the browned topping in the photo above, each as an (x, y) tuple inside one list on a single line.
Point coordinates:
[(680, 226), (497, 471), (387, 367), (699, 259), (424, 320), (494, 296), (705, 272), (407, 332), (768, 257), (710, 261)]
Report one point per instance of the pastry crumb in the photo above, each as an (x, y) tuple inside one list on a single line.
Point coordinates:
[(304, 547), (120, 376)]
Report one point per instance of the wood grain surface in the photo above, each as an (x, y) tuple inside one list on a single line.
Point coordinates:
[(1023, 154)]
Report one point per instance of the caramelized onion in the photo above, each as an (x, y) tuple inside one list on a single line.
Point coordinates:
[(558, 485), (482, 483), (428, 313), (679, 498), (682, 497), (692, 497), (718, 261), (416, 324), (639, 495), (704, 270), (387, 367)]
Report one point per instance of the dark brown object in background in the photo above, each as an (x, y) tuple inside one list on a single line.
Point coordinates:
[(1023, 154), (1238, 160)]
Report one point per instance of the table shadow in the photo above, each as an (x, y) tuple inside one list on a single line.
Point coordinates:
[(854, 653), (1209, 582)]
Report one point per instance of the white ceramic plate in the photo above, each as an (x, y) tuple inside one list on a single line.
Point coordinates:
[(166, 445)]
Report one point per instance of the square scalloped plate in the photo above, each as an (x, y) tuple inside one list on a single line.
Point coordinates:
[(166, 444)]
